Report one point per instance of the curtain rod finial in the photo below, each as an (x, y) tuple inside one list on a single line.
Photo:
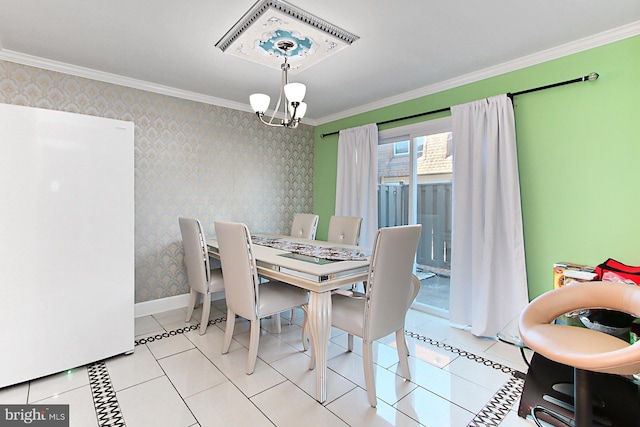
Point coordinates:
[(592, 76)]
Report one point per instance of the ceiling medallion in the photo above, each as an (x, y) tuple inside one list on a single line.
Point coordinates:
[(257, 34), (277, 34)]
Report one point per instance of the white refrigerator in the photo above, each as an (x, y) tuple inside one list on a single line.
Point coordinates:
[(66, 241)]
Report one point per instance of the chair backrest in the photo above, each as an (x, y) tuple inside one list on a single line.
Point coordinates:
[(616, 357), (344, 229), (196, 255), (238, 268), (391, 286), (304, 226)]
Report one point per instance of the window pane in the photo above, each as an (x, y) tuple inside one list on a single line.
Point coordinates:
[(429, 196), (401, 148)]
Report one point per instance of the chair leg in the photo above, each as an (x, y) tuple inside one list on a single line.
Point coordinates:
[(369, 376), (206, 309), (403, 354), (293, 315), (349, 342), (228, 332), (192, 304), (312, 361), (305, 333), (306, 341), (253, 346), (582, 398), (305, 321), (583, 409), (276, 320)]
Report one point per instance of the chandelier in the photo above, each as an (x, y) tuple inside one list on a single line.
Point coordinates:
[(292, 106)]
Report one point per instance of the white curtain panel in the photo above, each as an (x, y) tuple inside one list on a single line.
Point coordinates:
[(357, 180), (488, 275)]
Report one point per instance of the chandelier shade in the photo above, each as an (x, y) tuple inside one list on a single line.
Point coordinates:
[(259, 102), (295, 92)]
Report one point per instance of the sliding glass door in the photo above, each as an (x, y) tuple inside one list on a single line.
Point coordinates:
[(414, 187)]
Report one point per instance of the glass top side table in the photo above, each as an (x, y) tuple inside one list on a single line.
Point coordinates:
[(511, 335)]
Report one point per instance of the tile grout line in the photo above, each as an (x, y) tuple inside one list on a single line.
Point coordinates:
[(105, 401)]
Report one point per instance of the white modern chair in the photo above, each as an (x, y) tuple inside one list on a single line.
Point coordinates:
[(344, 229), (246, 296), (391, 289), (304, 226), (203, 280)]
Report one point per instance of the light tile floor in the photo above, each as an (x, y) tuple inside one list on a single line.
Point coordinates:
[(178, 378)]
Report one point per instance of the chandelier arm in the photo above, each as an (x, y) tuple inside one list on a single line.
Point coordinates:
[(290, 125), (275, 111), (268, 123), (290, 121), (293, 113), (282, 83)]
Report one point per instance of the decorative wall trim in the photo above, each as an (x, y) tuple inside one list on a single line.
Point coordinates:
[(101, 76), (160, 305), (567, 49), (586, 43), (89, 73)]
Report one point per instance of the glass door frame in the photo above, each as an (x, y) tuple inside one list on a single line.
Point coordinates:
[(411, 133)]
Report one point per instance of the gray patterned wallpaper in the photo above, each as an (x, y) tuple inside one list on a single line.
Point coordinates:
[(191, 159)]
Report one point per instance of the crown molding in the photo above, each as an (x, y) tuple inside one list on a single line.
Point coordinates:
[(88, 73), (577, 46), (586, 43)]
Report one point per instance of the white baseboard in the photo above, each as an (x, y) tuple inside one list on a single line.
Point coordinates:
[(156, 306)]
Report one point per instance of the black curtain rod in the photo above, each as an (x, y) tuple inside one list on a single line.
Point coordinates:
[(588, 77)]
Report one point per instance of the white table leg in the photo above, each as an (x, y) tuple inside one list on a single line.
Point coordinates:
[(319, 318)]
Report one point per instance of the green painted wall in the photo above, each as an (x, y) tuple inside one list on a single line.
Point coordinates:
[(578, 154)]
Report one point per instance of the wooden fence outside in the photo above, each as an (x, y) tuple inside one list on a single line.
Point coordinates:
[(434, 213)]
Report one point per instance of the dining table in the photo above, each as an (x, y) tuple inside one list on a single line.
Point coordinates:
[(317, 266)]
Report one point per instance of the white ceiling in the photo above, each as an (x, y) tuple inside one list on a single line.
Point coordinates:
[(407, 48)]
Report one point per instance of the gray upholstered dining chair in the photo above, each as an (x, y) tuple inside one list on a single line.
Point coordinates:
[(344, 229), (246, 296), (304, 226), (391, 289), (203, 280)]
